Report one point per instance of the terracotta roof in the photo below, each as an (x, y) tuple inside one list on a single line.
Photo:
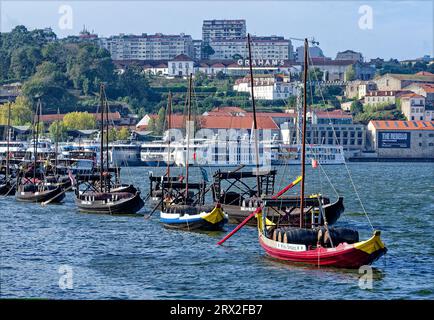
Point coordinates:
[(411, 95), (428, 88), (333, 114), (182, 57), (233, 122), (402, 125), (228, 109)]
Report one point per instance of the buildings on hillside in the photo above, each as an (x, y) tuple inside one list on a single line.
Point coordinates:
[(267, 87), (148, 47), (270, 47), (395, 82), (223, 29)]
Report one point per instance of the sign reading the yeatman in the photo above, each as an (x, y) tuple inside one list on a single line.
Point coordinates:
[(390, 139), (262, 62)]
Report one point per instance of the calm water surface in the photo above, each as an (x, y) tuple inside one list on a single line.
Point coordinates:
[(115, 257)]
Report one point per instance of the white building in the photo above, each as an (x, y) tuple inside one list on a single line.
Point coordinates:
[(148, 47), (181, 66), (413, 107), (267, 87), (223, 29), (273, 47)]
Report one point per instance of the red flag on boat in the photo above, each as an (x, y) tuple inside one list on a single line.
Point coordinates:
[(194, 156), (314, 163)]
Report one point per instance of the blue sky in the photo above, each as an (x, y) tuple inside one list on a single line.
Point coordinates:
[(401, 29)]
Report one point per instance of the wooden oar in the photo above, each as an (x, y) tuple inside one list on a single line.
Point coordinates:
[(13, 186), (289, 186), (258, 210), (238, 169), (238, 227), (153, 210), (48, 201)]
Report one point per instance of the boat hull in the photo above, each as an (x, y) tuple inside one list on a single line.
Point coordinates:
[(345, 255), (128, 205), (209, 221), (41, 196)]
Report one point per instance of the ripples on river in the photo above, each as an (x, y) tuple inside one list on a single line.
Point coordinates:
[(114, 257)]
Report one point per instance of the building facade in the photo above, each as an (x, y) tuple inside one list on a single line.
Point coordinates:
[(181, 66), (223, 29), (402, 139), (395, 82), (349, 55), (272, 47), (148, 47), (413, 107), (267, 87)]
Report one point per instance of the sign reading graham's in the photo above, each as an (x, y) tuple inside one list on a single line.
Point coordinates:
[(390, 139), (262, 62)]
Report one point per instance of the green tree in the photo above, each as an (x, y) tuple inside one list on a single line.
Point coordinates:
[(356, 107), (123, 133), (207, 51), (58, 129), (350, 73), (21, 112), (79, 121)]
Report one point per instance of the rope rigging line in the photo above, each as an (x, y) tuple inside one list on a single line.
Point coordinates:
[(337, 142)]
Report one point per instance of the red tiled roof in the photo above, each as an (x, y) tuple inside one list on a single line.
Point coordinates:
[(182, 57), (411, 95), (233, 122), (402, 125), (228, 109), (333, 114), (429, 88)]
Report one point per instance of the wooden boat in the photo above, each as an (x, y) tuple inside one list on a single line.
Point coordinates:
[(186, 217), (309, 244), (39, 193), (98, 194), (7, 185), (109, 202), (32, 185), (183, 204), (240, 203)]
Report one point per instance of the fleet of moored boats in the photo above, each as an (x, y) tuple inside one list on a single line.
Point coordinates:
[(290, 228)]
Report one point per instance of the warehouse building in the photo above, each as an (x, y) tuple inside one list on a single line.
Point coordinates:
[(402, 139)]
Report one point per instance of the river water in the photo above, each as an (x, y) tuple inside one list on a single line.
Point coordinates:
[(128, 257)]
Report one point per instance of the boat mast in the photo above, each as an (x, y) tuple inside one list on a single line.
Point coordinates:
[(188, 132), (101, 166), (36, 138), (57, 144), (303, 140), (107, 142), (169, 116), (255, 124), (8, 141)]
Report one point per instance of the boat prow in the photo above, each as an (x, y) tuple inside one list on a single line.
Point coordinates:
[(344, 255), (194, 218)]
